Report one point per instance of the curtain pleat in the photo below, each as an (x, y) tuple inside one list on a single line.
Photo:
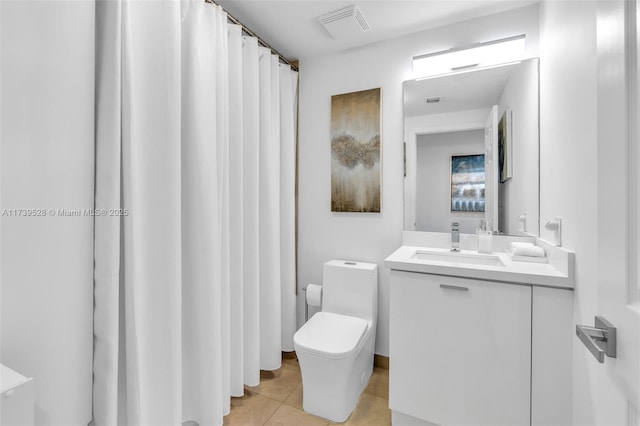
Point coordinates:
[(251, 210), (195, 285), (236, 220), (269, 202), (222, 138), (151, 167), (107, 228), (203, 280), (288, 126)]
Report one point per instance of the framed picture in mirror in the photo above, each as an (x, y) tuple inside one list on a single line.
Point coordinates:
[(467, 183), (505, 154)]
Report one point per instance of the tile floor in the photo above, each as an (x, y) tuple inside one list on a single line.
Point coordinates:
[(277, 401)]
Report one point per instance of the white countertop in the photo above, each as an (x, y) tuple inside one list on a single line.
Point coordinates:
[(552, 274), (10, 379)]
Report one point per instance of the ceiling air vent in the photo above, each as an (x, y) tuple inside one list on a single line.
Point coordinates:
[(345, 23)]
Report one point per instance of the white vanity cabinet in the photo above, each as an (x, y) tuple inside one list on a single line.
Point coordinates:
[(460, 350), (479, 339)]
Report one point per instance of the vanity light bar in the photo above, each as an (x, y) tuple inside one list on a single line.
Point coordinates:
[(478, 55), (506, 64)]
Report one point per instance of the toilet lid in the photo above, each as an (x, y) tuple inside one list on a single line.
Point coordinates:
[(330, 335)]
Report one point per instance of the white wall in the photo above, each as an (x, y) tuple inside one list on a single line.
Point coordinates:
[(324, 235), (427, 124), (521, 96), (47, 87), (433, 177), (568, 169)]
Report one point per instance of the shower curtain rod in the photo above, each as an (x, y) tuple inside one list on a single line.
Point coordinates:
[(250, 33)]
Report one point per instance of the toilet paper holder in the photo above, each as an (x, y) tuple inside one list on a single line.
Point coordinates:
[(317, 289)]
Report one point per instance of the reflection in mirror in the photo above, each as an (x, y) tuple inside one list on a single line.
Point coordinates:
[(451, 120)]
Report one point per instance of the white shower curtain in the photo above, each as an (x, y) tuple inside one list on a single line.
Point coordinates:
[(195, 167)]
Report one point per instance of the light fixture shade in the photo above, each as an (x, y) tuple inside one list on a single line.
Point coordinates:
[(477, 55)]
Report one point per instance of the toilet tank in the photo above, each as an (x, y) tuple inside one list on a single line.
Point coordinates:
[(350, 288)]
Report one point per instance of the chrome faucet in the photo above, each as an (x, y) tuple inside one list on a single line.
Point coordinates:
[(455, 236)]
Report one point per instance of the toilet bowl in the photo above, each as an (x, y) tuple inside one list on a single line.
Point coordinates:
[(335, 347)]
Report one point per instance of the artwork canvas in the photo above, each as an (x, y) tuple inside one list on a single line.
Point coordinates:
[(355, 152), (467, 183), (504, 147)]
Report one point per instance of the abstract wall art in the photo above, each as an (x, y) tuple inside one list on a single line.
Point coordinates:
[(355, 152)]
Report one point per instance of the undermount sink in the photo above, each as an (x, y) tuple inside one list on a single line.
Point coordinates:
[(458, 257)]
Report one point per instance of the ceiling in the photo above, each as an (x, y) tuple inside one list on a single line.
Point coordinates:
[(292, 26), (457, 92)]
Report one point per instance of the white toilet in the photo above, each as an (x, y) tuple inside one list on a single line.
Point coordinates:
[(335, 347)]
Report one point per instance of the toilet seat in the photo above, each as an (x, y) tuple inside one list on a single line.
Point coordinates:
[(331, 335)]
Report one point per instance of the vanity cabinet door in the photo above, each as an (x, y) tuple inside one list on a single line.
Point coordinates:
[(460, 351)]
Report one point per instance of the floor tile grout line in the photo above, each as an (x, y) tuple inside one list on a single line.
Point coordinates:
[(291, 392), (274, 399), (268, 397), (285, 401), (272, 414), (277, 400)]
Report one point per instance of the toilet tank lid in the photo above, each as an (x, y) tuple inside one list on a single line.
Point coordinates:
[(352, 264), (330, 335)]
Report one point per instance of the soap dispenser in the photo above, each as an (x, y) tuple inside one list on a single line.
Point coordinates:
[(485, 237)]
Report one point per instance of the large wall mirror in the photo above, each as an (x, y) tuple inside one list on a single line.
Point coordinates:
[(472, 150)]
